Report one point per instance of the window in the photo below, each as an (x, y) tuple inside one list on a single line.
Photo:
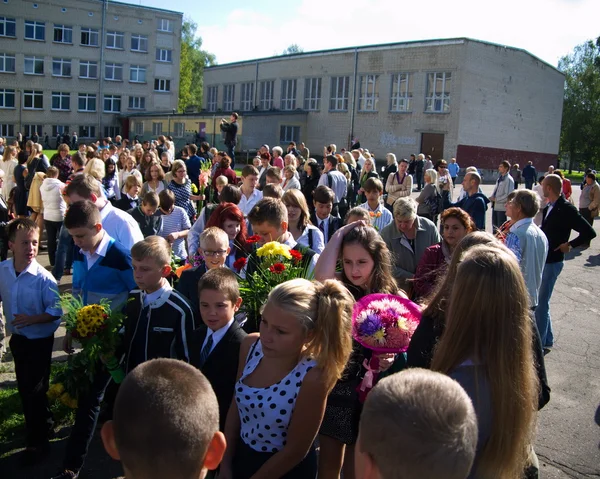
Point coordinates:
[(368, 97), (35, 30), (114, 40), (401, 92), (137, 74), (60, 130), (266, 94), (8, 28), (288, 94), (7, 98), (61, 101), (7, 130), (228, 97), (163, 55), (211, 98), (89, 37), (165, 25), (179, 129), (87, 132), (157, 129), (438, 92), (7, 63), (138, 128), (312, 94), (162, 85), (289, 133), (137, 103), (86, 102), (247, 97), (111, 131), (63, 34), (113, 72), (29, 130), (61, 67), (88, 69), (33, 100), (339, 93), (139, 43), (34, 66), (112, 103)]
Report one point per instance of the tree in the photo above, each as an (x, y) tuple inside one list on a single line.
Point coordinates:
[(293, 48), (191, 68), (580, 134)]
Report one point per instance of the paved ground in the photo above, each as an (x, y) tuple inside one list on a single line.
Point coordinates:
[(568, 437)]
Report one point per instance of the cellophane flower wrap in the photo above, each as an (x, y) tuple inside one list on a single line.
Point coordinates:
[(383, 323), (203, 180), (96, 327)]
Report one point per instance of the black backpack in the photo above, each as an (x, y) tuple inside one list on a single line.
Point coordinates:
[(435, 203)]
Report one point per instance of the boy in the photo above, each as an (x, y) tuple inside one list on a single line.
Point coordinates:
[(380, 216), (147, 215), (273, 175), (159, 319), (424, 414), (29, 297), (272, 191), (323, 198), (165, 423), (220, 183), (215, 346), (335, 180), (214, 248), (130, 199), (175, 223), (250, 195)]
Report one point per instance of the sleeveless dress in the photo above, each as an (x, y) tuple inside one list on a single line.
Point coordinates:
[(265, 415)]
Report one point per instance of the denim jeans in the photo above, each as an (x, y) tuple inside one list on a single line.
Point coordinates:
[(542, 312), (231, 153), (64, 253), (498, 218)]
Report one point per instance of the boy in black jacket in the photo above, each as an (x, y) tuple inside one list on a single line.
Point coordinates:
[(147, 215)]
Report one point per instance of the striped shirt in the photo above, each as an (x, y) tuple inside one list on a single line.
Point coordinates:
[(174, 222)]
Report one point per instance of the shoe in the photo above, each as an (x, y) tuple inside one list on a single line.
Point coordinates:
[(66, 474), (547, 349), (32, 456)]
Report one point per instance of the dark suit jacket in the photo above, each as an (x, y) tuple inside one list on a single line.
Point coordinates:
[(262, 180), (222, 364), (335, 224), (188, 286)]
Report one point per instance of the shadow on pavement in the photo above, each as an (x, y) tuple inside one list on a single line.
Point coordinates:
[(593, 261)]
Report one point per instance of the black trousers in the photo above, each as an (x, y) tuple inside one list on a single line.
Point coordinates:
[(52, 231), (247, 462), (587, 214), (32, 366)]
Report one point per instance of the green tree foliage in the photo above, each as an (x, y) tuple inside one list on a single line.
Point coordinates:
[(191, 68), (580, 135), (293, 48)]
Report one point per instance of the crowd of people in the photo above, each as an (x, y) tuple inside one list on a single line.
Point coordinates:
[(205, 393)]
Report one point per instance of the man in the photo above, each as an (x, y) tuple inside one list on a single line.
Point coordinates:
[(530, 175), (230, 129), (35, 137), (334, 180), (193, 164), (359, 158), (74, 139), (304, 152), (419, 170), (475, 203), (46, 141), (453, 169), (118, 140), (355, 144), (559, 217), (504, 186)]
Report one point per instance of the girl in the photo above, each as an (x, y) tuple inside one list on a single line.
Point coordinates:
[(147, 159), (110, 182), (155, 180), (428, 195), (299, 222), (165, 163), (175, 223), (354, 174), (181, 186), (230, 219), (138, 153), (128, 171), (368, 171), (494, 362), (392, 167), (123, 157), (398, 185), (284, 376), (8, 165)]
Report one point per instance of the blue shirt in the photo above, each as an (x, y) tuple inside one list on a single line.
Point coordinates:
[(453, 169), (31, 293)]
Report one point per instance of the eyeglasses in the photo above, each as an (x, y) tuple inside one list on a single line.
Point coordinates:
[(212, 254)]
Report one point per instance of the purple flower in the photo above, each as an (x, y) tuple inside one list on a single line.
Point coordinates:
[(370, 325)]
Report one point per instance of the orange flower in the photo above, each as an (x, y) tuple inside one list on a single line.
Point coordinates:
[(179, 271)]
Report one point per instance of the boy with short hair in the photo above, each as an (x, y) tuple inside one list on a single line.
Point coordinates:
[(147, 215), (166, 423), (215, 346), (424, 414), (130, 199), (380, 216), (30, 302), (273, 176), (250, 194), (272, 191), (175, 223), (323, 198), (220, 183)]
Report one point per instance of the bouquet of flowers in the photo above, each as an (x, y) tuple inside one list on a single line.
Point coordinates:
[(203, 180), (69, 380), (383, 323), (270, 265), (96, 327)]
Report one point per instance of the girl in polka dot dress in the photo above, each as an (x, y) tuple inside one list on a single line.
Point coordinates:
[(285, 373)]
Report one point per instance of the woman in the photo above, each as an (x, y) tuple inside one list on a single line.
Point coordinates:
[(230, 219), (225, 170), (354, 183), (455, 224), (181, 186), (445, 183), (284, 376), (291, 181), (428, 196), (313, 173), (407, 237), (368, 171), (494, 363), (398, 185), (391, 167), (110, 182), (516, 174), (62, 161), (96, 168), (7, 165), (129, 170), (155, 180), (589, 201), (566, 185), (299, 224), (37, 165), (20, 198)]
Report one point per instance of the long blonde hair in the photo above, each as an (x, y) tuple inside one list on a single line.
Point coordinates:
[(325, 310), (488, 322), (295, 198), (36, 150)]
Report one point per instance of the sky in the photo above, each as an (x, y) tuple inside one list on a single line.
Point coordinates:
[(247, 29)]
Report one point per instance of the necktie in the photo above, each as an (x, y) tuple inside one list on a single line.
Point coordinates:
[(206, 350), (322, 228)]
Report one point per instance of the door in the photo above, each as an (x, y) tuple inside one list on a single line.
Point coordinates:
[(433, 144)]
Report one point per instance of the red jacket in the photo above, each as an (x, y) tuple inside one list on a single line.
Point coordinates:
[(430, 268), (228, 173)]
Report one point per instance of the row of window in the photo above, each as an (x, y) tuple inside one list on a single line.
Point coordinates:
[(84, 131), (36, 31), (61, 101), (437, 94)]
